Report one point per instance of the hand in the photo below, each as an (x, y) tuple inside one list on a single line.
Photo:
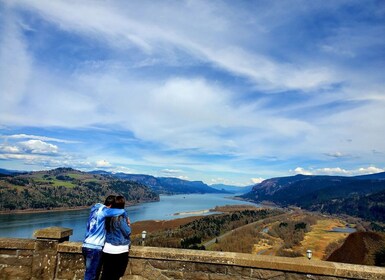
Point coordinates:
[(128, 221)]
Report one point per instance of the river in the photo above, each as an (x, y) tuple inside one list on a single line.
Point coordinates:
[(23, 225)]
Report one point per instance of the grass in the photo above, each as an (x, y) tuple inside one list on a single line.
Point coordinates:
[(321, 236)]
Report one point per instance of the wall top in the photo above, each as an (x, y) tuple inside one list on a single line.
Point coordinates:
[(58, 233)]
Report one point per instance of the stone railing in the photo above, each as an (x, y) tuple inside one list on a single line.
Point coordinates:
[(51, 256)]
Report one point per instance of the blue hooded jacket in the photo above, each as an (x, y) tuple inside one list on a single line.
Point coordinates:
[(96, 232)]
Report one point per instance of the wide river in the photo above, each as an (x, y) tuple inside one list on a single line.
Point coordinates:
[(23, 225)]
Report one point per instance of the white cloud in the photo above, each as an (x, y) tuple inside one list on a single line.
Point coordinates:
[(36, 137), (300, 170), (15, 65), (9, 149), (339, 171), (102, 163), (38, 147), (257, 180)]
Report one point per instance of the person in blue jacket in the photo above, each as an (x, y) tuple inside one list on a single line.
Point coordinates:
[(117, 246), (96, 234)]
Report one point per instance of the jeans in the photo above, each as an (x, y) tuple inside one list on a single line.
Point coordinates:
[(93, 263), (114, 266)]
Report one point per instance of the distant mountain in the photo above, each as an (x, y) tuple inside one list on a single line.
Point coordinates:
[(359, 196), (376, 176), (232, 189), (66, 187), (6, 172), (164, 185)]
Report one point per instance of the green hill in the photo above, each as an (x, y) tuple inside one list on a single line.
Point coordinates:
[(65, 187)]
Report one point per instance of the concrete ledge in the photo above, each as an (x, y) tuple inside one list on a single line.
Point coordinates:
[(17, 243), (169, 258), (301, 265), (57, 233), (70, 247)]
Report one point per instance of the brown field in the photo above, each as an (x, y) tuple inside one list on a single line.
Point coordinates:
[(317, 239), (233, 208), (321, 236), (257, 233), (153, 226)]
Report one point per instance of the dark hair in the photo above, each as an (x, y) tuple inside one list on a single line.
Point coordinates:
[(110, 200), (119, 203)]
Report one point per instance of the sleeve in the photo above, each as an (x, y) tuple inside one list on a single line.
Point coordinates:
[(113, 212), (126, 229)]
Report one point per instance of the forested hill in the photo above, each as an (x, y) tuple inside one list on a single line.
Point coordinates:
[(65, 187), (361, 196), (165, 185)]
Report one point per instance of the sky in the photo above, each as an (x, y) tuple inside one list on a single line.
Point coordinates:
[(224, 92)]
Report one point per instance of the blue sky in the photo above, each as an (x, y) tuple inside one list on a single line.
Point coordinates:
[(220, 91)]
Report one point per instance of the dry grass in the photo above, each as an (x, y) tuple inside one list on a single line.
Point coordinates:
[(154, 226), (321, 236)]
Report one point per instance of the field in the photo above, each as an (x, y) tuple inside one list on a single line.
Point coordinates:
[(321, 235), (287, 234)]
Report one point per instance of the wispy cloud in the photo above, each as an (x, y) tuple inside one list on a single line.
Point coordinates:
[(249, 90)]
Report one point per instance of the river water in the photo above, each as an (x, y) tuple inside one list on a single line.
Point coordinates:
[(23, 225)]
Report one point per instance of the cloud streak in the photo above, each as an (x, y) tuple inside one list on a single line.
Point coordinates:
[(214, 89)]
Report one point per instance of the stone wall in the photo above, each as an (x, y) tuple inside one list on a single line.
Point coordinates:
[(50, 256)]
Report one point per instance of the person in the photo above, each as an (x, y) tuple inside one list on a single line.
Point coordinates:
[(116, 248), (95, 236)]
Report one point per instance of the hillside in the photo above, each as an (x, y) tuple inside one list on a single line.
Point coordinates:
[(361, 196), (65, 187), (164, 185), (361, 248)]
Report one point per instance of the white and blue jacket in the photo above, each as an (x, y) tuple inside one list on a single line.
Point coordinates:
[(96, 232)]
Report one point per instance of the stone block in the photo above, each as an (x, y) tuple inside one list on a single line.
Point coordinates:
[(58, 233), (267, 274), (70, 247), (136, 266), (181, 266), (8, 252), (210, 268), (223, 277), (159, 264), (239, 271), (173, 274), (46, 245), (26, 253), (17, 243), (16, 261), (196, 276), (16, 272)]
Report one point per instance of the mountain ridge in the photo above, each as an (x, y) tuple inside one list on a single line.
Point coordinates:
[(164, 185), (331, 194)]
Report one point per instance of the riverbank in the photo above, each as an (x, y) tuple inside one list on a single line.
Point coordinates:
[(59, 209), (32, 211)]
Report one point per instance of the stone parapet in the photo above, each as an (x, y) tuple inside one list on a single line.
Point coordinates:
[(48, 259)]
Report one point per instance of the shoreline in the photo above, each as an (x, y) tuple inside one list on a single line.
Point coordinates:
[(32, 211), (196, 212), (58, 209)]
